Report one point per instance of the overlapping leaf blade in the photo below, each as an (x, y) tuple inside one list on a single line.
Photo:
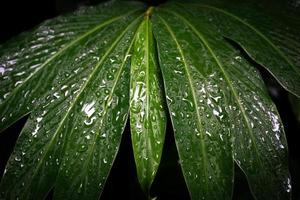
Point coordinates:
[(231, 98), (75, 128), (147, 111), (203, 144), (261, 151), (269, 40), (31, 62), (73, 75)]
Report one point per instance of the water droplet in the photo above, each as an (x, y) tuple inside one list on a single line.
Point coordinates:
[(39, 119), (215, 112), (88, 137), (169, 99), (238, 58), (178, 72), (207, 133), (221, 137), (56, 95), (89, 108), (288, 185), (90, 121), (178, 58), (112, 60), (104, 161), (2, 70), (18, 159), (37, 127), (18, 83)]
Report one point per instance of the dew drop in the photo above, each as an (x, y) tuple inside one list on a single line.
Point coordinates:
[(90, 121), (207, 133), (18, 159), (2, 70), (178, 58), (88, 137), (104, 161), (89, 108)]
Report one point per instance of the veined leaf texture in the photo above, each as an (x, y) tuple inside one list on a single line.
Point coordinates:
[(82, 76)]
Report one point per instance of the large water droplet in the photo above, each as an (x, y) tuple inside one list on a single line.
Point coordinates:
[(89, 108)]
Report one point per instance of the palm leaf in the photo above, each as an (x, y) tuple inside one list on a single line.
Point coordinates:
[(80, 109), (79, 75), (147, 112)]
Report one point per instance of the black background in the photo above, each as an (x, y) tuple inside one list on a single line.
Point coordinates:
[(17, 16)]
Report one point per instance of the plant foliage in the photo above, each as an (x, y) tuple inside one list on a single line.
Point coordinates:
[(81, 75)]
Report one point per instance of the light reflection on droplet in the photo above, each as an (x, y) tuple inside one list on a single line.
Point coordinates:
[(2, 70), (89, 108)]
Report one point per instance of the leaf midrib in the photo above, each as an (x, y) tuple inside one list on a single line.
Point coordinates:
[(147, 97)]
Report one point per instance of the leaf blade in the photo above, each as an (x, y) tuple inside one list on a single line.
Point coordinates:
[(24, 60), (258, 34), (32, 169), (198, 149), (147, 115), (260, 142)]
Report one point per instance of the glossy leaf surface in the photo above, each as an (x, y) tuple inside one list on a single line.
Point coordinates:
[(74, 129), (218, 94), (80, 75), (193, 96), (147, 111), (271, 41)]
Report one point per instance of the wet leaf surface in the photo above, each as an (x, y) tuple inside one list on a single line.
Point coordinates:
[(215, 94), (75, 128), (147, 106), (78, 76)]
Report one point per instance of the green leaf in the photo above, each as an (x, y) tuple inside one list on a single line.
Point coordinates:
[(31, 63), (147, 111), (204, 148), (213, 92), (269, 40), (79, 75), (74, 130), (260, 144)]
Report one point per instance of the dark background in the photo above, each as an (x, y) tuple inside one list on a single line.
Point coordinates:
[(17, 16)]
